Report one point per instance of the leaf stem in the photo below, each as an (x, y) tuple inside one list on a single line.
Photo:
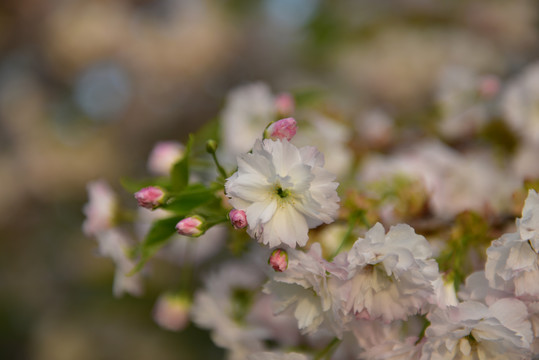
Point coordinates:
[(328, 350)]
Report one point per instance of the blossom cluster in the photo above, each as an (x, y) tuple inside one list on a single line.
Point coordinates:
[(411, 253)]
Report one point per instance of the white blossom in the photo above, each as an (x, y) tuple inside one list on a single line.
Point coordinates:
[(528, 224), (457, 98), (115, 244), (473, 330), (284, 191), (222, 307), (512, 266), (380, 340), (304, 285), (100, 209), (519, 104), (330, 137), (390, 277), (454, 181), (512, 261), (248, 110), (477, 288)]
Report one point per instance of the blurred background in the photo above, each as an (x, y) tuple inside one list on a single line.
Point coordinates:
[(87, 87)]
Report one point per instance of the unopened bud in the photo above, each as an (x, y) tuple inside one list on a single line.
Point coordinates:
[(164, 155), (284, 104), (238, 218), (282, 129), (211, 146), (171, 312), (190, 226), (150, 197), (279, 260)]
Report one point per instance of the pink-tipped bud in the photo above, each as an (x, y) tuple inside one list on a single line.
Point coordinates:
[(284, 104), (191, 226), (171, 312), (150, 197), (238, 218), (283, 129), (279, 260), (164, 155)]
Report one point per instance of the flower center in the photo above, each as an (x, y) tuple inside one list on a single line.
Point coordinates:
[(282, 193)]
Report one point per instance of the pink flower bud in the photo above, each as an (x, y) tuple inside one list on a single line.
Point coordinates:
[(171, 312), (278, 260), (150, 197), (163, 156), (282, 129), (238, 218), (191, 226), (284, 104)]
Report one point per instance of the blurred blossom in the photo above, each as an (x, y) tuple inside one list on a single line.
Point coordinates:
[(222, 307), (171, 312), (524, 163), (103, 91), (520, 104), (248, 110), (115, 245), (331, 138), (375, 128), (101, 208), (462, 114), (454, 182), (163, 156), (285, 104)]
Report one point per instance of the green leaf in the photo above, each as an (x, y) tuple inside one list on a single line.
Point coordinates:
[(159, 234), (190, 198), (179, 175)]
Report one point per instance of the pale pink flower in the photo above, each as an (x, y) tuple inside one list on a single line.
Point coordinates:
[(164, 155), (100, 209), (150, 197), (284, 103), (519, 104), (390, 276), (528, 224), (238, 218), (171, 312), (115, 245), (305, 288), (282, 129), (220, 307), (248, 110), (473, 330), (512, 260), (190, 226), (278, 260)]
